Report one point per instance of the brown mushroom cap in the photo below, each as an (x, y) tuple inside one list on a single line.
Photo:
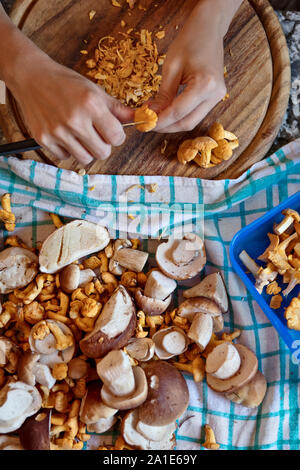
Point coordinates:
[(92, 407), (26, 365), (246, 372), (69, 278), (167, 265), (252, 394), (134, 399), (193, 305), (168, 395), (35, 431)]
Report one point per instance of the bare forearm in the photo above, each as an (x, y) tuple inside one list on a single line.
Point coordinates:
[(220, 12), (16, 51)]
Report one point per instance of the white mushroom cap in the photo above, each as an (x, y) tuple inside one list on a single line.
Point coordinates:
[(186, 266), (212, 287), (18, 267), (92, 408), (102, 425)]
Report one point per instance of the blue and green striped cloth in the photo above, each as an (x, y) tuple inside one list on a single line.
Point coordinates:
[(125, 204)]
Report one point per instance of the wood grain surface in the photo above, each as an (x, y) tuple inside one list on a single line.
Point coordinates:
[(258, 79)]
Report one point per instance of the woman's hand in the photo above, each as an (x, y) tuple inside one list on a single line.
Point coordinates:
[(195, 61), (68, 114)]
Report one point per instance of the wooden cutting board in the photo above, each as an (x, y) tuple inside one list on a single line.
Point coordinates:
[(258, 79)]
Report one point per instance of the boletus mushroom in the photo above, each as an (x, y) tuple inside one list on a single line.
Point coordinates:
[(193, 305), (251, 394), (211, 287), (168, 395), (8, 442), (35, 431), (144, 437), (201, 330), (71, 242), (181, 259), (113, 328), (18, 267), (17, 401), (92, 408), (141, 349), (223, 361), (244, 375), (149, 305), (125, 387), (170, 342), (72, 277)]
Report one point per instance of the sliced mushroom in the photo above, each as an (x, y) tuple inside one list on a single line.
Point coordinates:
[(7, 347), (72, 277), (43, 375), (18, 401), (132, 400), (10, 443), (252, 394), (70, 242), (170, 342), (113, 328), (57, 343), (26, 365), (114, 267), (116, 373), (155, 433), (92, 408), (168, 395), (151, 306), (158, 286), (201, 330), (223, 361), (131, 259), (141, 349), (212, 287), (35, 431), (189, 307), (18, 267), (137, 440), (188, 260), (102, 425), (280, 228), (246, 372)]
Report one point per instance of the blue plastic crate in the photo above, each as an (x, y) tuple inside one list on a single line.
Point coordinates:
[(254, 240)]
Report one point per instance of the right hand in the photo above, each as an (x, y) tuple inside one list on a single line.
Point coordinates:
[(67, 114)]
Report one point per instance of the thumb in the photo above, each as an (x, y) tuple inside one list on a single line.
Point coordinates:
[(171, 78), (121, 112)]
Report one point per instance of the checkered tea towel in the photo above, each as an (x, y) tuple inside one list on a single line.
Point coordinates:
[(131, 204)]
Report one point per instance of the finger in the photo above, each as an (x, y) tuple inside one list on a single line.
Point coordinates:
[(182, 106), (122, 113), (73, 146), (110, 129), (57, 151), (190, 121), (94, 144), (171, 78)]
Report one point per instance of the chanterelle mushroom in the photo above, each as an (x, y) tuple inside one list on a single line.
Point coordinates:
[(217, 132), (205, 146), (181, 259), (70, 242), (18, 267)]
